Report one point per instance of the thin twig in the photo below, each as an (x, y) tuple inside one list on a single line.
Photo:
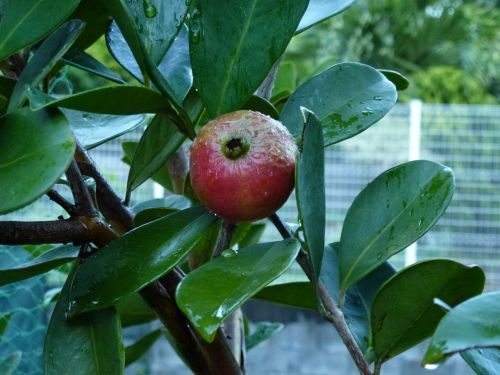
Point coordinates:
[(331, 311), (81, 195), (55, 197)]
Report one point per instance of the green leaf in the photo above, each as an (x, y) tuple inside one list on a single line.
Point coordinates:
[(47, 55), (30, 166), (256, 103), (320, 10), (26, 22), (298, 294), (113, 100), (212, 292), (10, 364), (358, 301), (138, 258), (483, 361), (175, 65), (471, 325), (88, 344), (148, 26), (348, 98), (4, 320), (399, 80), (132, 26), (156, 208), (45, 262), (161, 176), (403, 312), (396, 209), (3, 103), (6, 86), (158, 143), (263, 331), (92, 129), (235, 44), (203, 250), (133, 311), (310, 190), (82, 60), (140, 347), (96, 18)]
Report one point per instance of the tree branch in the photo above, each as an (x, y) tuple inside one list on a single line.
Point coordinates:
[(331, 311), (57, 198), (224, 240), (110, 203), (71, 230)]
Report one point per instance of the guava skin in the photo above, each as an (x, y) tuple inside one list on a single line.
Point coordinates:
[(242, 165)]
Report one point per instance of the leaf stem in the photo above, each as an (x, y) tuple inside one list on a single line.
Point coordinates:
[(331, 312)]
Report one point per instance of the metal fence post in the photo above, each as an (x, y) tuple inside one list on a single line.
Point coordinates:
[(414, 154)]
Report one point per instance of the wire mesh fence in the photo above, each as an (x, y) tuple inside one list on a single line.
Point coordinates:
[(465, 138)]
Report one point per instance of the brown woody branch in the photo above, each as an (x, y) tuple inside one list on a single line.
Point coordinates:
[(71, 230), (332, 312), (55, 197), (81, 195)]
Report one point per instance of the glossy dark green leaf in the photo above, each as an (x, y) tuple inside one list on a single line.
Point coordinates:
[(348, 98), (47, 55), (93, 129), (471, 325), (320, 10), (310, 190), (158, 143), (212, 292), (4, 320), (403, 311), (485, 361), (156, 208), (175, 65), (256, 103), (26, 22), (96, 17), (235, 44), (45, 262), (140, 347), (399, 80), (126, 15), (161, 176), (10, 364), (29, 166), (358, 301), (149, 26), (298, 294), (88, 344), (113, 100), (82, 60), (396, 209), (138, 258), (263, 331), (202, 252), (133, 311)]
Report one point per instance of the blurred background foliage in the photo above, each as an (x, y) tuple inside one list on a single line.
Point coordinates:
[(450, 49)]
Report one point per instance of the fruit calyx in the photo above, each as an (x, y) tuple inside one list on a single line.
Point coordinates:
[(235, 148)]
